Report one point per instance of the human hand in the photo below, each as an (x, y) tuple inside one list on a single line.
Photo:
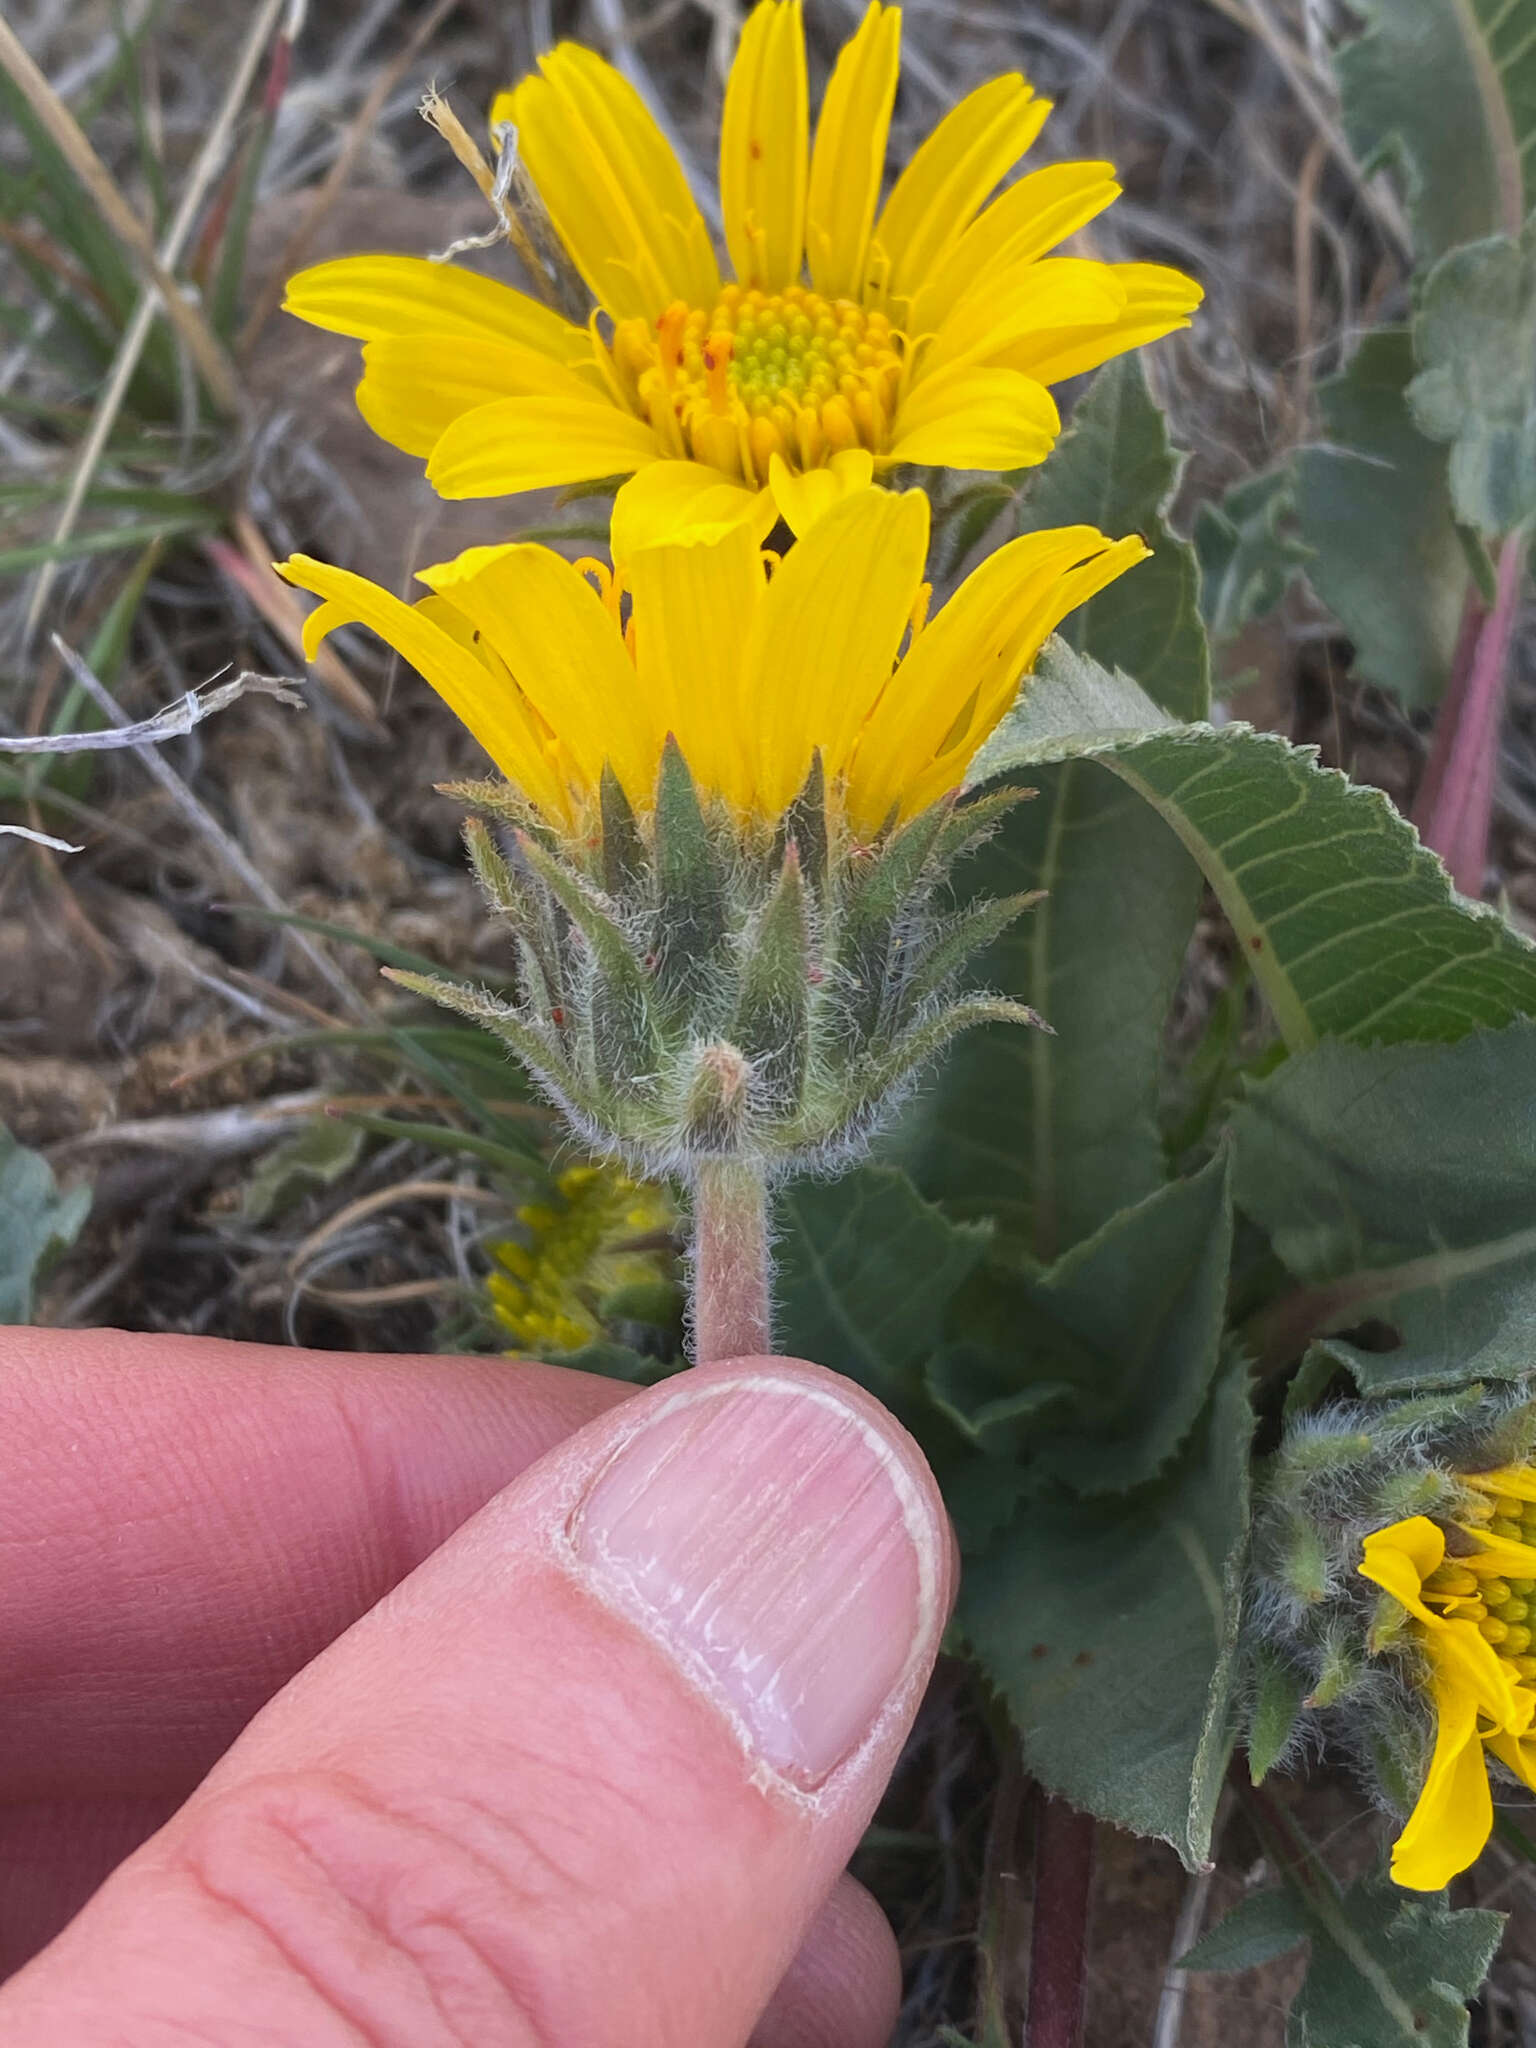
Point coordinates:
[(572, 1763)]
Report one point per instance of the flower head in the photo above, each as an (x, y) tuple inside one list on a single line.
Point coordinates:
[(1468, 1610), (562, 670), (737, 807), (583, 1257), (850, 336)]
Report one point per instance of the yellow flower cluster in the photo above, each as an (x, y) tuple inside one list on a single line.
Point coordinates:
[(797, 697), (548, 1289), (1469, 1601)]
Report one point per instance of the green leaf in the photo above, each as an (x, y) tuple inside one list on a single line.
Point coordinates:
[(1114, 469), (1050, 1133), (315, 1157), (1395, 1183), (1446, 90), (37, 1222), (866, 1269), (1350, 926), (1475, 340), (1389, 1968), (1258, 1928), (1247, 554), (1109, 1628), (1375, 509), (1127, 1326)]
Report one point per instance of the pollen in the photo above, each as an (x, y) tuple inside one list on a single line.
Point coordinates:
[(760, 374)]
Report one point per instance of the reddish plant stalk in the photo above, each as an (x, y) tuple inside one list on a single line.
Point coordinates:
[(1058, 1948), (1455, 803), (732, 1296)]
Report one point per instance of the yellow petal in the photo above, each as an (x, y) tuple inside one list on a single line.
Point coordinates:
[(1518, 1481), (849, 154), (1400, 1558), (1500, 1556), (1060, 597), (369, 297), (764, 131), (1157, 300), (825, 636), (693, 607), (936, 197), (1063, 292), (1517, 1754), (969, 657), (1023, 224), (615, 192), (555, 634), (416, 385), (684, 501), (803, 497), (969, 418), (532, 444), (494, 711), (1454, 1815)]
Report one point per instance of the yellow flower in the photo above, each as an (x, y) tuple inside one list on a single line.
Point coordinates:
[(750, 671), (926, 332), (548, 1292), (1472, 1614)]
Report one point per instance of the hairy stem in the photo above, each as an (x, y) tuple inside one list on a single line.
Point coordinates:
[(1456, 801), (1058, 1950), (732, 1302)]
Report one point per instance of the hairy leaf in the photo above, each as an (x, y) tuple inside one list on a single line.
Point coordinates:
[(1446, 90), (1395, 1183), (36, 1223), (1114, 469), (1257, 1929), (1109, 1629), (1374, 507), (1246, 552), (1388, 1967), (866, 1269), (1350, 926), (1050, 1133), (1121, 1337), (1475, 339)]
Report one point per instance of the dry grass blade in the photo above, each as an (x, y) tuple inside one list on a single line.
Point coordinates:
[(200, 179), (249, 568), (325, 194), (231, 855), (185, 315), (174, 723), (39, 838)]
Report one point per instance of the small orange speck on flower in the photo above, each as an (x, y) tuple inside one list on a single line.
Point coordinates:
[(718, 351)]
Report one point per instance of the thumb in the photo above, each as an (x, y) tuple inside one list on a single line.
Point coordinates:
[(584, 1777)]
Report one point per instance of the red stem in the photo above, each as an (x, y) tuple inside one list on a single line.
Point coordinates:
[(1058, 1949), (1455, 803)]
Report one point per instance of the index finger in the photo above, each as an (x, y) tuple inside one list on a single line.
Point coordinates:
[(186, 1522)]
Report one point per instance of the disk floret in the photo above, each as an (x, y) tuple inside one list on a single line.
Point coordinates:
[(696, 988)]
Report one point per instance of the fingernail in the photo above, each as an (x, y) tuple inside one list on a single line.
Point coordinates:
[(777, 1546)]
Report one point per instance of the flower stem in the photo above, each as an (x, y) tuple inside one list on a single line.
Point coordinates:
[(732, 1305), (1456, 800), (1058, 1949)]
